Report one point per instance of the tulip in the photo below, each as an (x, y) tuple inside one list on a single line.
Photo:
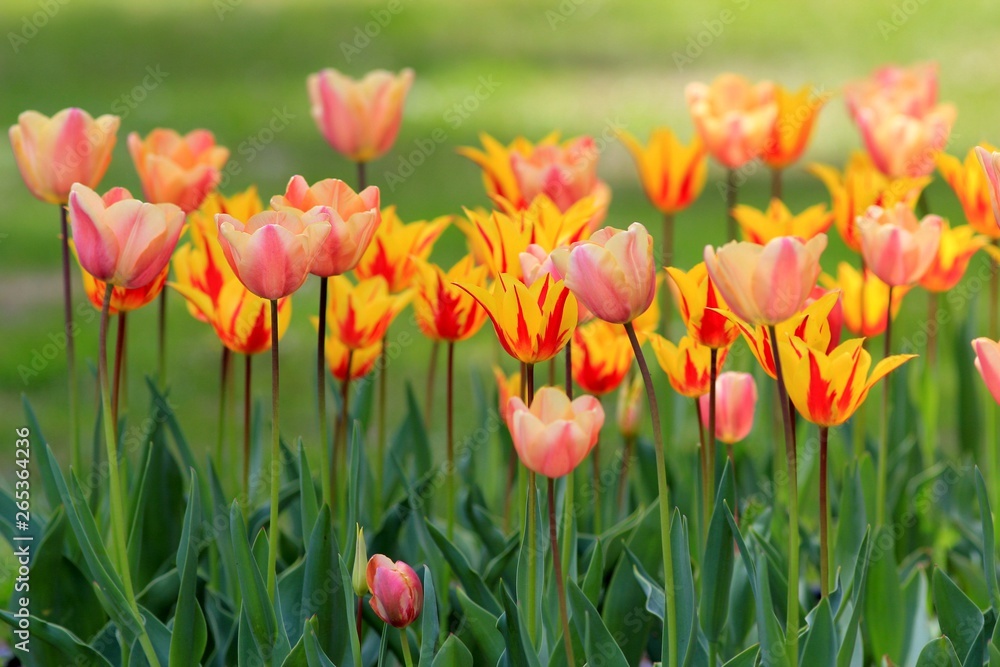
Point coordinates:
[(238, 316), (897, 248), (123, 300), (955, 251), (394, 247), (735, 399), (903, 145), (551, 227), (990, 162), (686, 364), (359, 314), (359, 119), (861, 186), (766, 284), (359, 571), (649, 321), (397, 594), (793, 125), (121, 240), (177, 169), (54, 153), (555, 434), (763, 226), (988, 364), (701, 307), (865, 299), (507, 388), (444, 311), (835, 318), (272, 252), (913, 89), (971, 184), (601, 357), (497, 239), (733, 117), (361, 361), (672, 174), (613, 273)]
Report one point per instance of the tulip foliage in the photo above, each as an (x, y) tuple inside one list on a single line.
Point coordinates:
[(519, 523)]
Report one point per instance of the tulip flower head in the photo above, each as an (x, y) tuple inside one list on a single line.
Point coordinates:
[(445, 311), (359, 314), (54, 153), (735, 402), (178, 169), (896, 247), (397, 593), (763, 226), (955, 250), (554, 434), (971, 184), (359, 119), (988, 364), (793, 124), (602, 356), (240, 318), (835, 318), (551, 227), (123, 300), (913, 89), (865, 299), (991, 167), (395, 246), (497, 239), (672, 174), (701, 307), (120, 240), (766, 284), (686, 364), (733, 117)]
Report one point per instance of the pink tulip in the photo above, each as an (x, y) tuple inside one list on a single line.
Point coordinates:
[(120, 240), (354, 218), (991, 166), (178, 169), (911, 90), (988, 364), (535, 263), (902, 145), (555, 434), (54, 153), (896, 247), (272, 252), (397, 594), (612, 274), (766, 284), (735, 401), (359, 118), (733, 117), (564, 174)]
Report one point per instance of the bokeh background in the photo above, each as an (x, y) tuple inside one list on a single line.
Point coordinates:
[(506, 67)]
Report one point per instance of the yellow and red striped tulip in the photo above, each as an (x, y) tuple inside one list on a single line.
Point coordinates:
[(735, 403), (123, 300), (532, 323), (988, 364), (54, 153), (507, 388), (550, 226), (955, 251), (865, 299), (990, 161), (733, 117), (828, 388), (362, 359), (835, 318), (359, 119), (700, 306), (766, 284), (602, 356), (972, 187), (686, 364), (895, 246), (443, 310), (240, 318), (862, 185), (672, 174), (793, 125), (394, 247), (763, 226), (555, 434), (497, 239), (177, 169), (359, 314)]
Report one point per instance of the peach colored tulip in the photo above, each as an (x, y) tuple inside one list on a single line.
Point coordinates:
[(555, 434), (120, 240), (672, 174), (913, 90), (991, 167), (54, 153), (177, 169), (969, 181), (956, 249), (397, 593), (733, 117), (762, 226), (988, 364), (735, 402), (272, 252), (896, 247), (793, 125), (903, 145), (766, 284), (613, 273), (359, 119), (865, 299), (354, 220)]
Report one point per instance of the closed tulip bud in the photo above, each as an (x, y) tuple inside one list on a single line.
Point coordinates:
[(397, 593), (735, 402), (896, 247), (359, 573), (988, 364), (555, 434)]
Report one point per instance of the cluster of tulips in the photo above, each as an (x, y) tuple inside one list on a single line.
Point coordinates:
[(551, 279)]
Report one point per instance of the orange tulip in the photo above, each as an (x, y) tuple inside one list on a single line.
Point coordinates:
[(896, 247), (602, 355), (861, 186), (955, 251), (123, 299), (555, 434), (359, 119), (120, 240), (699, 304), (240, 318), (394, 247), (762, 226), (990, 162), (864, 298), (972, 187), (359, 315), (733, 117), (54, 153), (686, 364), (362, 359), (445, 311), (793, 125), (497, 239), (672, 174), (177, 169)]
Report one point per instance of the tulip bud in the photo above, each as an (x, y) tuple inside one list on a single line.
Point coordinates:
[(397, 594), (735, 402), (358, 578)]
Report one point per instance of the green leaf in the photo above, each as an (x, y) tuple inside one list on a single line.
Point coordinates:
[(314, 652), (852, 524), (297, 656), (915, 618), (218, 519), (74, 649), (938, 653), (747, 658), (519, 653), (307, 494), (321, 590), (884, 599), (989, 547), (159, 637), (189, 634), (257, 609), (717, 568), (960, 619), (483, 626), (860, 578), (470, 580), (49, 485), (601, 647), (820, 646), (453, 653), (429, 622), (532, 606), (594, 576)]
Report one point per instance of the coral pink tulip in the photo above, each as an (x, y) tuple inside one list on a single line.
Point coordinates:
[(555, 434), (991, 166), (54, 153), (120, 240), (354, 218), (912, 90), (735, 402), (988, 364), (272, 252), (397, 594), (733, 117), (905, 146), (359, 118), (896, 247), (766, 284), (181, 170)]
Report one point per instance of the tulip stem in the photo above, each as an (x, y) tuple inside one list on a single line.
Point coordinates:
[(713, 374), (776, 175), (431, 368), (247, 368), (558, 573), (703, 460), (162, 341), (732, 466), (115, 501), (362, 179), (731, 192), (670, 629), (223, 402), (326, 476), (860, 444), (403, 639), (596, 471), (668, 260), (119, 362), (883, 445), (450, 441), (340, 443), (529, 388), (75, 455), (824, 516), (275, 467), (383, 375), (792, 619)]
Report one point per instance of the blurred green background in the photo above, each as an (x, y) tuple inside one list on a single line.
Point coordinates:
[(581, 66)]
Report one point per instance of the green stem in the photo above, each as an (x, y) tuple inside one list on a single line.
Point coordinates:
[(883, 445), (432, 366), (450, 442), (623, 476), (326, 476), (824, 516), (776, 188), (116, 383), (275, 467), (705, 484), (247, 368), (383, 375), (341, 442), (668, 260), (558, 572), (76, 457), (404, 640), (670, 623), (162, 341), (731, 192), (792, 619), (362, 180), (713, 374), (220, 443)]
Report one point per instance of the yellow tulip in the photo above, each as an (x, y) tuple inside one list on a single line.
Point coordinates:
[(762, 226)]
